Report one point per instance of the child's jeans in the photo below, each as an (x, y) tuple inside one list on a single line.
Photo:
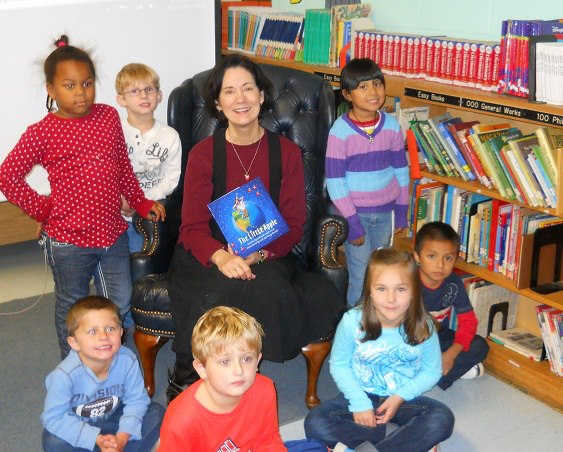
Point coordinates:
[(135, 239), (150, 432), (477, 353), (378, 228), (74, 267), (422, 423)]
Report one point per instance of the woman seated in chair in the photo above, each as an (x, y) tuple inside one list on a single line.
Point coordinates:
[(294, 307)]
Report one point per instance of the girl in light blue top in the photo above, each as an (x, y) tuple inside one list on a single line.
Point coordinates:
[(385, 355)]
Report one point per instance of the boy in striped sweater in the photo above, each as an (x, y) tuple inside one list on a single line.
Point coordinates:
[(366, 169)]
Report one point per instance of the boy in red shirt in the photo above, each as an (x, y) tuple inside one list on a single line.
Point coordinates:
[(231, 407), (435, 250)]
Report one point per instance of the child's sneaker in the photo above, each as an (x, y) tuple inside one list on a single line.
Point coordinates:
[(340, 447), (475, 372)]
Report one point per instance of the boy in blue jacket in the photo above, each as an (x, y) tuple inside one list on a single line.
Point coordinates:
[(96, 399)]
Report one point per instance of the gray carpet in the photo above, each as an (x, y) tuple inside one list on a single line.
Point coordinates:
[(30, 352)]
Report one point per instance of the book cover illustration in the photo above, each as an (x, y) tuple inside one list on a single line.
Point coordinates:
[(521, 341), (248, 218)]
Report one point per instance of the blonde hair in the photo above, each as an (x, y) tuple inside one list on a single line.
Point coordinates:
[(86, 304), (133, 72), (417, 323), (222, 326)]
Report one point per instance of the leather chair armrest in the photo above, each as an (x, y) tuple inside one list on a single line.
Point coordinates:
[(159, 240), (331, 232)]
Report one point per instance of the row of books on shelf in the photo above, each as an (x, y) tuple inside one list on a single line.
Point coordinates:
[(518, 54), (494, 234), (496, 307), (549, 72), (264, 31), (434, 58), (316, 37), (521, 167)]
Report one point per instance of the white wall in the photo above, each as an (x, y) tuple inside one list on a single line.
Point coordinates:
[(175, 37)]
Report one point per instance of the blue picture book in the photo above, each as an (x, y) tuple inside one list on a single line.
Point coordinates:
[(248, 218)]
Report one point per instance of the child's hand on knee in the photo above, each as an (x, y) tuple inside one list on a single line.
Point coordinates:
[(388, 409), (366, 418)]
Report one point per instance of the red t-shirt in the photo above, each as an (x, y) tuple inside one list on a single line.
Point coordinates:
[(251, 426)]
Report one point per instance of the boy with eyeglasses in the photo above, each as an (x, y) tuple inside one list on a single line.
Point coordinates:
[(153, 147)]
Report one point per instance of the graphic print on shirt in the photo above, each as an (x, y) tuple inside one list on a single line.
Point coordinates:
[(97, 408), (381, 368), (449, 295), (228, 446), (150, 175)]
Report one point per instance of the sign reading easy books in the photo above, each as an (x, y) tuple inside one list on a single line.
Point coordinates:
[(248, 218)]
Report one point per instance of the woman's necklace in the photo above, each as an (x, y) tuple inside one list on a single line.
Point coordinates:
[(247, 170), (370, 135)]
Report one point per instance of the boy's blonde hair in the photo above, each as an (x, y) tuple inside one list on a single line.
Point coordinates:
[(222, 326), (86, 304), (133, 72)]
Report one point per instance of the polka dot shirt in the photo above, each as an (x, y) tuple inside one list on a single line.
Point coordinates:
[(88, 169)]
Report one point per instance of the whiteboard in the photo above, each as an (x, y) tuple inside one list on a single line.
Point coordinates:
[(175, 37)]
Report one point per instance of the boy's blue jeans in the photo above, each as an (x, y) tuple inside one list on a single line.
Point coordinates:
[(422, 424), (465, 360), (150, 432), (378, 234), (74, 267)]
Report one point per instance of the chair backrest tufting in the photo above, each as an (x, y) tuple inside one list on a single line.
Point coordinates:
[(303, 110)]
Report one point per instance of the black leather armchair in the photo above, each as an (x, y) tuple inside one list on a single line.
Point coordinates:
[(303, 111)]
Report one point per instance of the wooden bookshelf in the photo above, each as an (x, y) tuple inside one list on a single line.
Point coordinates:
[(394, 86), (527, 375)]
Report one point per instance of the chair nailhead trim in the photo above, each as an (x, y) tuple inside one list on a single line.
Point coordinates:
[(142, 311), (170, 334), (332, 246)]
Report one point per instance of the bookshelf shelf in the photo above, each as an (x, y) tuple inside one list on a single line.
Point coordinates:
[(480, 188), (394, 86), (531, 377)]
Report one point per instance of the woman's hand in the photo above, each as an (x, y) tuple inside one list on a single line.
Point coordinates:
[(388, 409), (366, 418), (232, 266), (157, 212), (253, 258)]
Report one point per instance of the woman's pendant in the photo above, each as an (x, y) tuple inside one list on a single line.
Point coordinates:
[(247, 176)]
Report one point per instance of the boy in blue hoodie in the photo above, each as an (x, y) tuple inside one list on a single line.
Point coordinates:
[(96, 399)]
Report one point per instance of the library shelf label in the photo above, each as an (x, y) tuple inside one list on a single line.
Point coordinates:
[(332, 78), (508, 111)]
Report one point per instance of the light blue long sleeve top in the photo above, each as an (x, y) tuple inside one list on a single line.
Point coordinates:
[(76, 398), (385, 366)]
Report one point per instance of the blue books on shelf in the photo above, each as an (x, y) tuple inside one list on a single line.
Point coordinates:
[(248, 218)]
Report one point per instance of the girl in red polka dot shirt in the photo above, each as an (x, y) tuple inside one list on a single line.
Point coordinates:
[(81, 146)]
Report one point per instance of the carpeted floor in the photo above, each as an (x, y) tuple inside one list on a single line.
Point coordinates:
[(30, 352)]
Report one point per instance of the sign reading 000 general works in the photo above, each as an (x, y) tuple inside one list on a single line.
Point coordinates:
[(486, 107)]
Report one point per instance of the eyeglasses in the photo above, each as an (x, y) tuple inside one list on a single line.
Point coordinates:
[(137, 91)]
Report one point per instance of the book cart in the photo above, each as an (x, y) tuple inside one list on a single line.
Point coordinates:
[(533, 378)]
